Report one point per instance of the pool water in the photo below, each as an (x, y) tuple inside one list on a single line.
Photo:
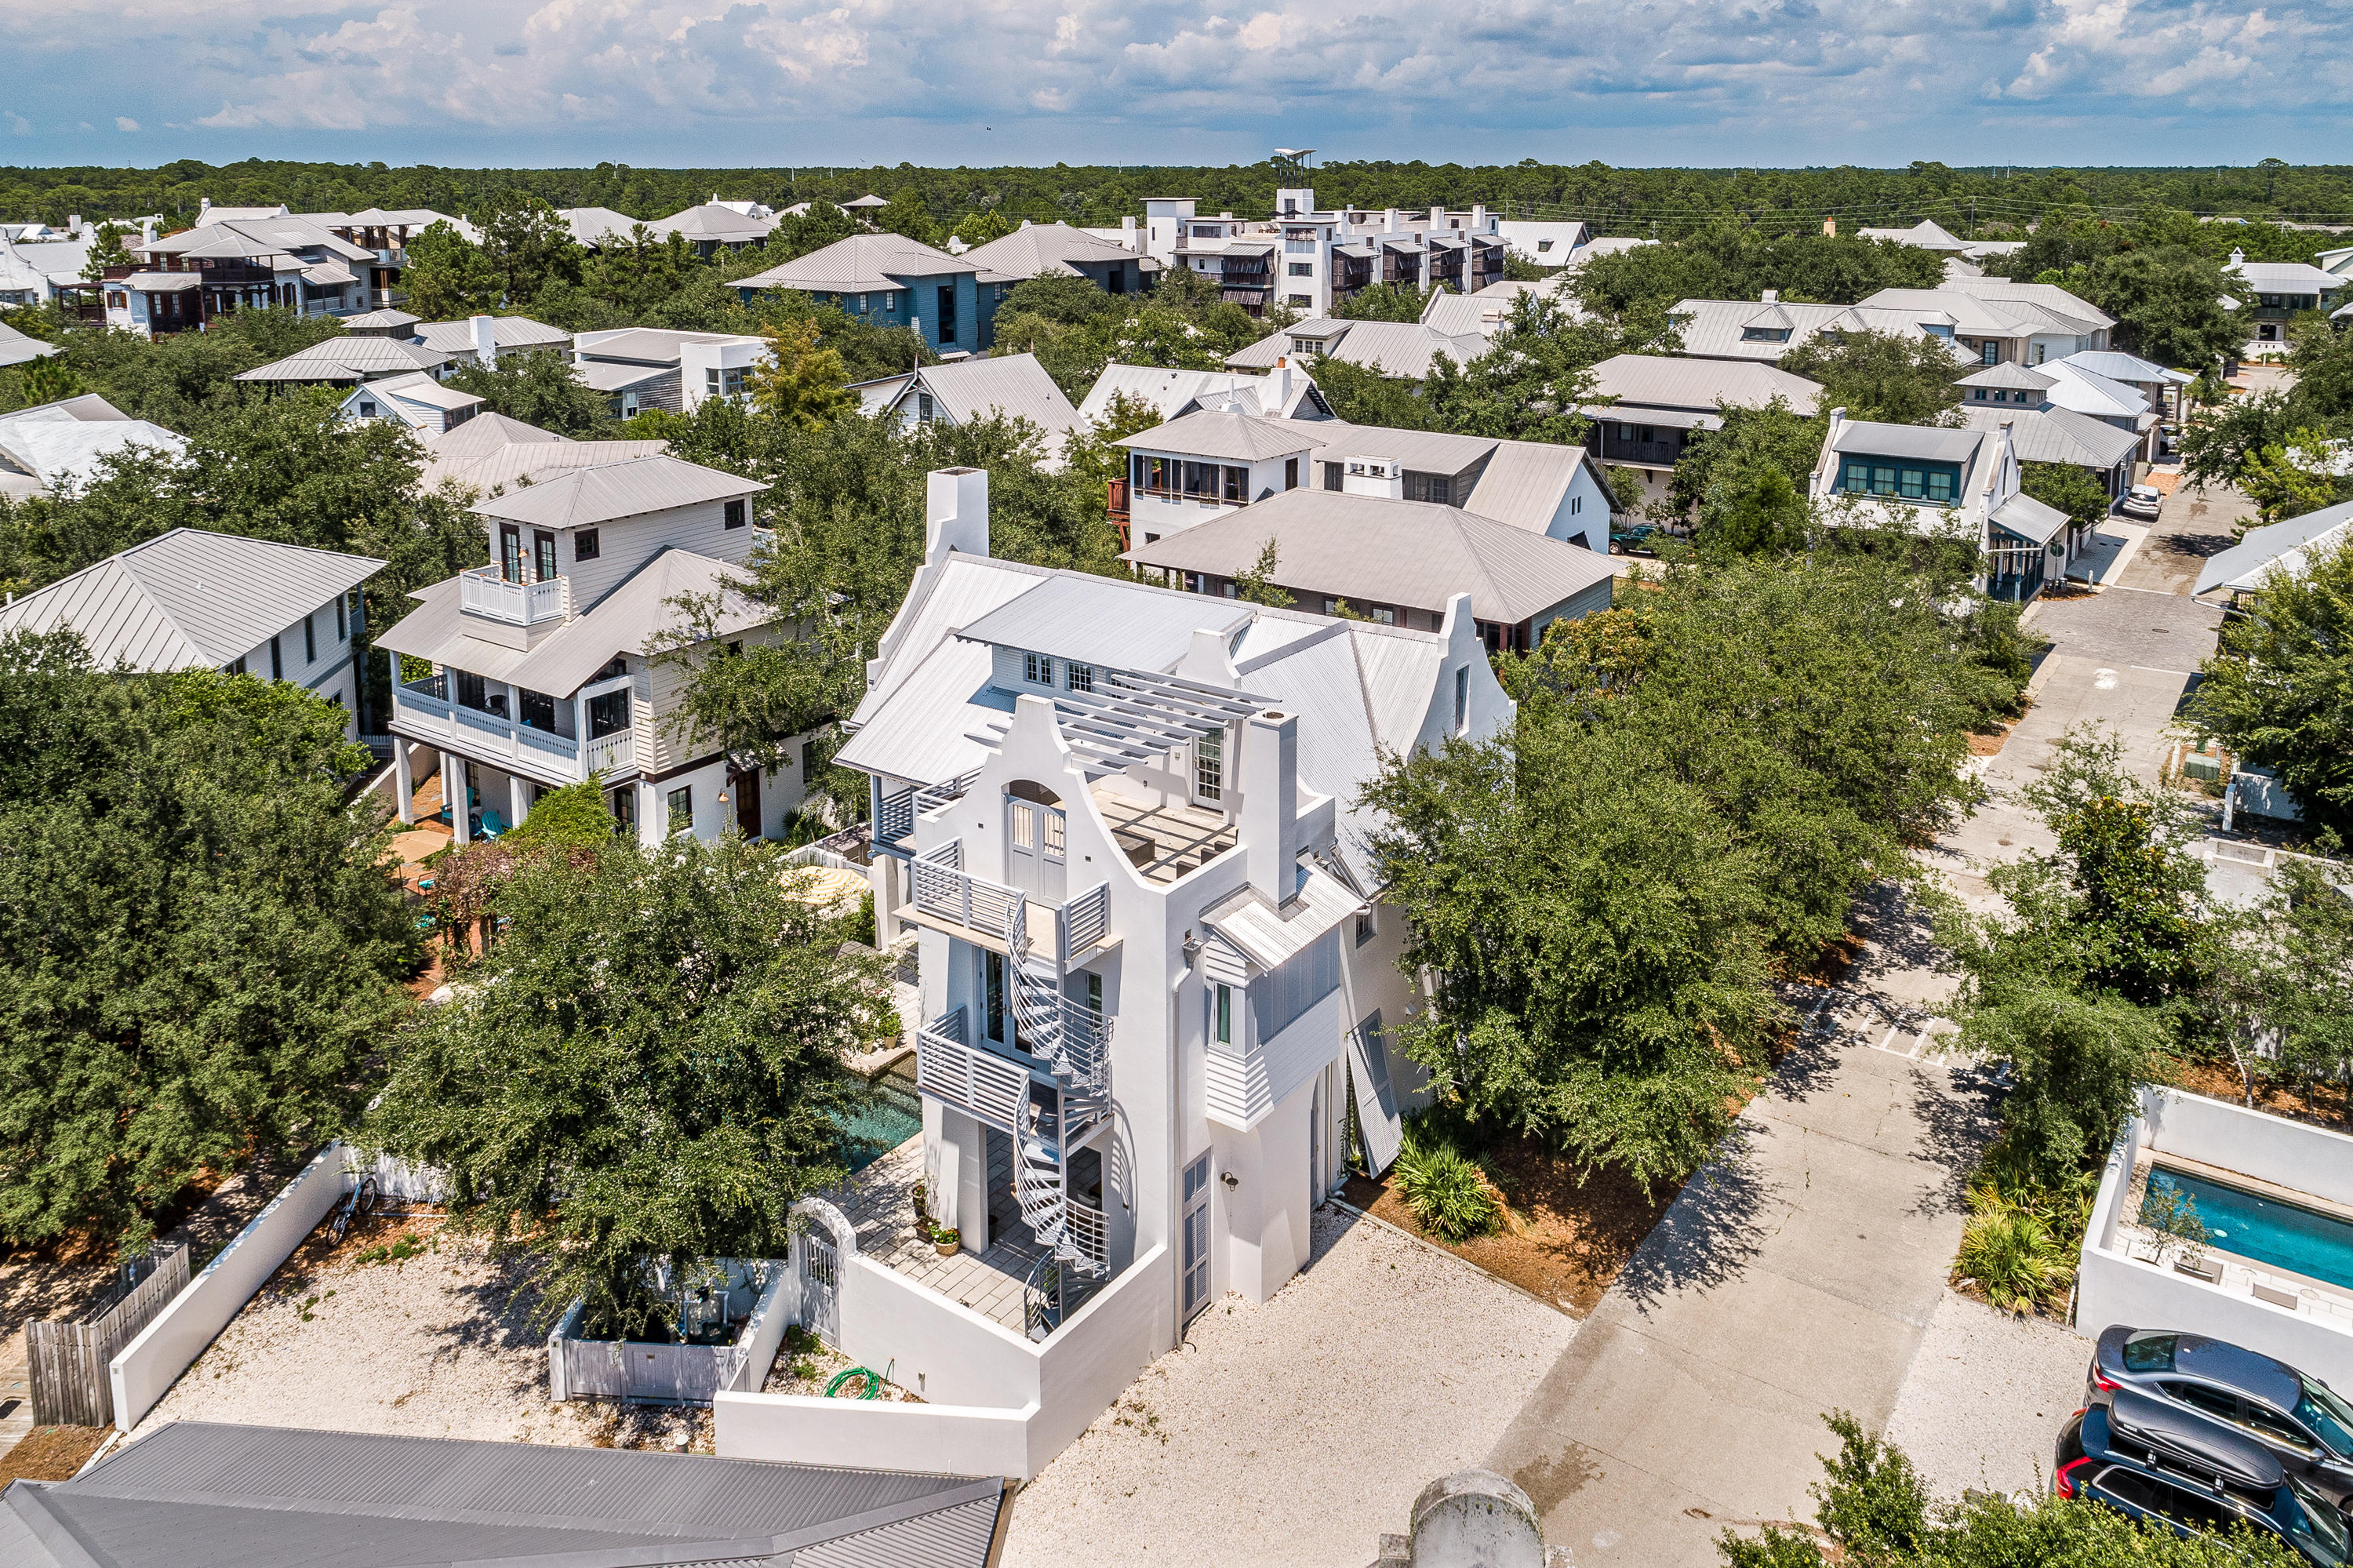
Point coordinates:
[(2265, 1230), (895, 1115)]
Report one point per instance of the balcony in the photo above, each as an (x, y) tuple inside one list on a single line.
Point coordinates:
[(482, 592), (423, 711), (1005, 1094), (1006, 919)]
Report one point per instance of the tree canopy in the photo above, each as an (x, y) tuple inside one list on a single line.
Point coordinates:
[(2279, 689)]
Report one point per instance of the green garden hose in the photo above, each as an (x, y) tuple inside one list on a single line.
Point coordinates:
[(874, 1382)]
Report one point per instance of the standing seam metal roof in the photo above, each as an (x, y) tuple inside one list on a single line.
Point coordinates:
[(612, 490)]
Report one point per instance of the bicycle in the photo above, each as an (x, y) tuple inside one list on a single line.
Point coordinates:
[(359, 1204)]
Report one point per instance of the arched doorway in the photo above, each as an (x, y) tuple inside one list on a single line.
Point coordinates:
[(1036, 839)]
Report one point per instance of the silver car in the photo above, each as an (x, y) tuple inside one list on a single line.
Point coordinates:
[(2143, 500)]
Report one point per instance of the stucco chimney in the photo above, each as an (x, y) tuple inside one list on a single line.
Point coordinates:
[(486, 339), (73, 224), (146, 232), (1389, 220), (1271, 804), (955, 512), (204, 206), (1830, 225), (1770, 296), (1373, 476), (1478, 217), (1127, 236), (1278, 387)]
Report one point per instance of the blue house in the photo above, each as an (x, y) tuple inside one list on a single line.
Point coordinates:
[(892, 281)]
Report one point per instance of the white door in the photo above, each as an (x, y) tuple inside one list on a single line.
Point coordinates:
[(1196, 1225), (1036, 845)]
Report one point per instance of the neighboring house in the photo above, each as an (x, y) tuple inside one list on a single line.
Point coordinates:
[(385, 235), (1282, 392), (1394, 561), (1057, 249), (1158, 969), (1657, 400), (1930, 235), (182, 281), (191, 600), (1994, 320), (55, 446), (638, 368), (2337, 263), (548, 663), (348, 361), (490, 453), (2160, 388), (2282, 291), (1961, 484), (1768, 327), (889, 280), (1309, 259), (967, 391), (2065, 385), (37, 272), (480, 340), (710, 227), (1482, 314), (1209, 463), (597, 228), (16, 348), (200, 1495), (2240, 573), (386, 323), (1405, 350), (415, 399), (1548, 244)]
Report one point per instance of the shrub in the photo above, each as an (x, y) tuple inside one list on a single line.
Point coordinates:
[(1445, 1191), (2011, 1254)]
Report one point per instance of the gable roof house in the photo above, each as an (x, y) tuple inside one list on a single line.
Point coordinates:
[(892, 281), (1057, 249), (1284, 392), (1207, 462), (710, 227), (966, 390), (2286, 548), (1397, 562), (208, 1495), (1930, 235), (596, 227), (480, 340), (1403, 350), (548, 662), (1656, 401), (349, 361), (490, 453), (1124, 824), (182, 281), (1994, 319), (38, 272), (193, 600), (417, 400), (16, 348), (2282, 291), (2065, 386), (1962, 484), (638, 368), (55, 446)]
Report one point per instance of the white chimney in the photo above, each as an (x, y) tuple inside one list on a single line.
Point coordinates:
[(1373, 476), (1390, 221), (955, 512), (203, 206), (486, 340), (1278, 386), (73, 224), (1770, 296), (1270, 816), (146, 232), (1127, 236), (1478, 217)]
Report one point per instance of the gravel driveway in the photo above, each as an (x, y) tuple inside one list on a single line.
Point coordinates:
[(1296, 1433), (1985, 1397)]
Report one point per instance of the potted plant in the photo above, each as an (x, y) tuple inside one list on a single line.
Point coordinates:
[(949, 1240), (922, 1210)]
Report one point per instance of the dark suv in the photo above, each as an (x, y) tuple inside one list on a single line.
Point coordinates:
[(2155, 1460), (2302, 1420)]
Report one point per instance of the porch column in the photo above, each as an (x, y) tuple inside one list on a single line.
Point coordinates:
[(402, 783), (453, 795), (518, 798)]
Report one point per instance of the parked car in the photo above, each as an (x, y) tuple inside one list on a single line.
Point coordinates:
[(1632, 536), (2307, 1423), (2153, 1460), (2143, 500)]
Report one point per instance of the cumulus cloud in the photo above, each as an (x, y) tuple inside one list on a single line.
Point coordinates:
[(125, 123), (18, 124), (1749, 67)]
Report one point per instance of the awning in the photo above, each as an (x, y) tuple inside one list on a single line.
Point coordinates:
[(163, 282), (328, 275)]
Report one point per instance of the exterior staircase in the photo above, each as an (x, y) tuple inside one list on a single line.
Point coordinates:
[(1071, 1043)]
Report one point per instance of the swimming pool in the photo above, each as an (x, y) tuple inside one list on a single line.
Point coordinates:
[(2265, 1230), (895, 1115)]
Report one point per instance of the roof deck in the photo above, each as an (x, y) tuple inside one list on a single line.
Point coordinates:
[(1164, 841)]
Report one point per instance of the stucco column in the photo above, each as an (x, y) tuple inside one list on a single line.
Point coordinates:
[(453, 794), (403, 785), (518, 798)]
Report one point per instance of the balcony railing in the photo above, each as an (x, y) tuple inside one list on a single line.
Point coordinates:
[(425, 708), (988, 1086), (481, 591), (943, 888), (613, 754)]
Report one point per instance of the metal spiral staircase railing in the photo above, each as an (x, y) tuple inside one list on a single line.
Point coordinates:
[(1072, 1042)]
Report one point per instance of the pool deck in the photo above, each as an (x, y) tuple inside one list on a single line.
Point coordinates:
[(879, 1202), (2320, 1298)]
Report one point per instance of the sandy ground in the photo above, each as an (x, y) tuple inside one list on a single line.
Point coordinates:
[(1296, 1432), (1985, 1398), (439, 1345)]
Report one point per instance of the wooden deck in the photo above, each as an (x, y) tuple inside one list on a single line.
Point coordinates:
[(1166, 842)]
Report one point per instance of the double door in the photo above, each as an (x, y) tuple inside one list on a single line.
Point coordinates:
[(1036, 842)]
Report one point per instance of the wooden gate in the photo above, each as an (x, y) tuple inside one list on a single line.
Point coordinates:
[(69, 1357)]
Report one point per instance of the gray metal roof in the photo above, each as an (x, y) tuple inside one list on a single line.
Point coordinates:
[(16, 348), (1239, 438), (2008, 373), (348, 358), (1663, 381), (206, 1495), (1928, 443), (2029, 519), (1012, 384), (2288, 545), (491, 451), (1102, 621), (1712, 329), (637, 616), (2119, 365), (1044, 247), (189, 599), (2053, 435), (648, 345), (632, 488), (595, 225), (1372, 550), (859, 264), (712, 223), (506, 332)]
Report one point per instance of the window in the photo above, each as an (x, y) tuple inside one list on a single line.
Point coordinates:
[(608, 714), (1038, 669), (584, 545), (808, 758), (1082, 677), (1300, 269), (993, 996), (947, 319), (1542, 246), (543, 551), (2324, 1411), (711, 381), (1913, 484), (236, 666), (1381, 613), (2205, 1401), (1991, 353), (1940, 487), (342, 629), (1221, 1014), (509, 553), (731, 514), (1237, 485), (2271, 1424), (1364, 926), (1463, 699), (1210, 766), (1291, 473), (309, 642), (1977, 394), (1055, 827), (1025, 828), (1094, 996), (367, 407), (1300, 301), (276, 661), (681, 808), (924, 411), (625, 809), (1883, 481), (1333, 476), (536, 709)]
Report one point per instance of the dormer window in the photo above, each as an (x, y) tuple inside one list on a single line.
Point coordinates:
[(1038, 669), (1763, 335), (584, 545)]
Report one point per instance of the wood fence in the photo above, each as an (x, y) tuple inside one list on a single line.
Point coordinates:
[(69, 1357)]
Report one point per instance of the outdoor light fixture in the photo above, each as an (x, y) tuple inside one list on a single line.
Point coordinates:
[(1230, 1180), (1192, 948)]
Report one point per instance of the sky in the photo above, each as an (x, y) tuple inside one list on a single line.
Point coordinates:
[(859, 82)]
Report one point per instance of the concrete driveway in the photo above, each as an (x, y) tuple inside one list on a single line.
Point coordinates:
[(1796, 1275)]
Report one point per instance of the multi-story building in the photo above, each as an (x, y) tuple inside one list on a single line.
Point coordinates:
[(567, 655), (2282, 291), (1157, 969), (1307, 259), (640, 369), (1654, 402), (889, 280)]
